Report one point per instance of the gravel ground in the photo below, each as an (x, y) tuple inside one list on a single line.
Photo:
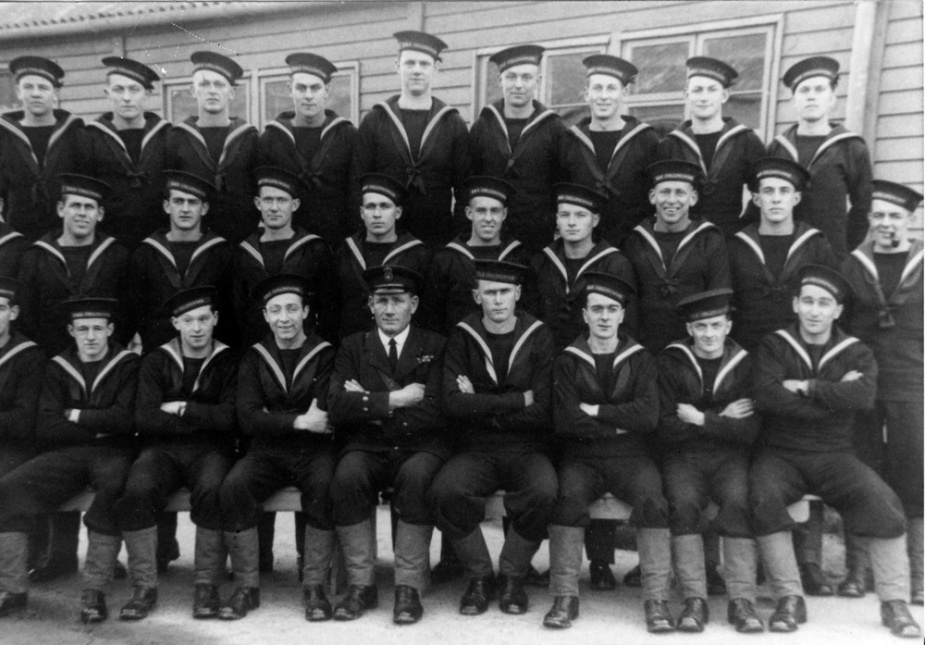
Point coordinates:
[(606, 617)]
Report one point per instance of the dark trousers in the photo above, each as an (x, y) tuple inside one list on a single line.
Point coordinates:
[(361, 475), (460, 490), (778, 478), (263, 471), (12, 457), (163, 468), (904, 461), (45, 482), (692, 479), (633, 479)]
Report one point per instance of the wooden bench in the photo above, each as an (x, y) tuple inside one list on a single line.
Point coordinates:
[(289, 499)]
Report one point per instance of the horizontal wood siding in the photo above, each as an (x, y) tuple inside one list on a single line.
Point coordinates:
[(898, 149)]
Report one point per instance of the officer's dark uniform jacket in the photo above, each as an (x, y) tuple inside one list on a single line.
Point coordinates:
[(155, 277), (449, 283), (231, 208), (495, 418), (840, 171), (680, 380), (624, 180), (431, 178), (330, 207), (209, 418), (532, 167), (363, 419), (627, 413), (699, 264), (106, 406), (726, 173), (46, 273), (822, 421), (890, 324), (268, 402), (763, 303), (560, 301), (350, 262), (21, 367), (13, 246), (134, 204), (32, 189), (308, 256)]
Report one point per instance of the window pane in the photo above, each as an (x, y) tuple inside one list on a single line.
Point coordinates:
[(664, 118), (565, 78), (183, 103), (745, 108), (276, 99), (661, 67), (7, 92), (340, 96), (744, 53), (491, 86)]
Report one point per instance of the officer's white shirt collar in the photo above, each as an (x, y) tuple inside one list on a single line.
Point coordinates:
[(399, 340)]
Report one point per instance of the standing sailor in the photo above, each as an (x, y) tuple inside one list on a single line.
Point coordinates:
[(419, 140), (36, 144), (219, 146), (128, 151), (517, 139), (723, 148), (317, 145)]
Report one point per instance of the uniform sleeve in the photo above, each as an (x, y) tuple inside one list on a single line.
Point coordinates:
[(326, 299), (29, 299), (671, 391), (771, 396), (849, 395), (432, 313), (638, 412), (860, 189), (365, 152), (427, 414), (462, 168), (25, 381), (118, 418), (754, 150), (353, 407), (569, 419), (472, 406), (740, 431), (149, 418), (717, 264), (352, 204), (476, 147), (536, 416), (218, 416)]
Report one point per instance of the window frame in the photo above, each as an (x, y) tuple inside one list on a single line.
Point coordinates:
[(697, 34), (601, 43)]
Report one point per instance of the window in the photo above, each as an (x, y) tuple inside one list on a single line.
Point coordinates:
[(7, 92), (657, 96), (179, 102), (563, 77), (343, 93)]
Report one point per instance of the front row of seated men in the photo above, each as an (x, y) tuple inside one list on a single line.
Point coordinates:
[(393, 392)]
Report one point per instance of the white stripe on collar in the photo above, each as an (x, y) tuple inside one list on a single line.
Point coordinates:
[(489, 363)]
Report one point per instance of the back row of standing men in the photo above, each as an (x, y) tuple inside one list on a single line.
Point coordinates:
[(423, 144)]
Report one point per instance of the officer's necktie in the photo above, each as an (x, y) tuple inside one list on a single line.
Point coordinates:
[(393, 354)]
